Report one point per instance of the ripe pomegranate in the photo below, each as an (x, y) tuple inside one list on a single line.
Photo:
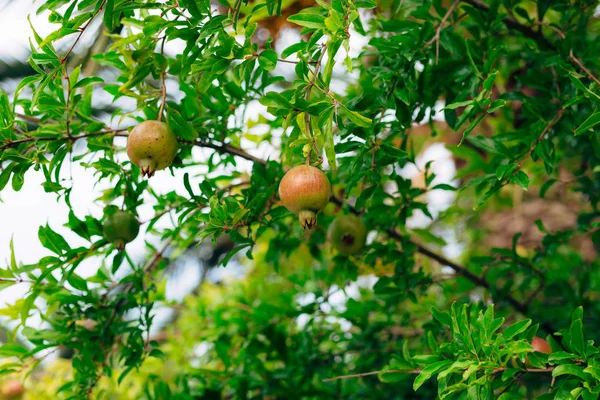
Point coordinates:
[(305, 190), (540, 345), (12, 390), (347, 234), (120, 228), (152, 146)]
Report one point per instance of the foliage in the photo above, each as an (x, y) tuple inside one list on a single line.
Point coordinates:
[(510, 87)]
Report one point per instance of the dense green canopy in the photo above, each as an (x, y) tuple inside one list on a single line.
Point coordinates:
[(464, 134)]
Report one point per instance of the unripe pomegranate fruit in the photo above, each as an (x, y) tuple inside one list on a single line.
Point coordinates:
[(12, 390), (347, 234), (305, 190), (152, 146), (120, 228)]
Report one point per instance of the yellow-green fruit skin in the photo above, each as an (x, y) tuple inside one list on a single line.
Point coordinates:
[(12, 390), (305, 190), (120, 228), (347, 234), (152, 146)]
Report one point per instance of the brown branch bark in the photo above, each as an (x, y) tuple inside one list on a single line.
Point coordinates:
[(418, 371)]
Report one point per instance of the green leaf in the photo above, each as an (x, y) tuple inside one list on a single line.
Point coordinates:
[(589, 123), (293, 49), (88, 81), (275, 100), (364, 196), (521, 179), (560, 356), (442, 317), (443, 186), (471, 127), (593, 371), (569, 369), (576, 334), (109, 8), (458, 104), (489, 81), (182, 128), (394, 152), (328, 145), (77, 282), (547, 186), (429, 371), (516, 328), (357, 118), (308, 20), (268, 60), (12, 350), (52, 240)]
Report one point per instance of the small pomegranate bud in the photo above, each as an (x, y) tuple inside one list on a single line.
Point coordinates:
[(120, 228), (347, 234), (305, 190), (152, 146)]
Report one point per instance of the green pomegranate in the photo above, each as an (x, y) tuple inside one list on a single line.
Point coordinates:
[(152, 146), (347, 234), (305, 190), (12, 390), (121, 228)]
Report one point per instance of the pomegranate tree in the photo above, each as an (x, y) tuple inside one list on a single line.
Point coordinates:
[(120, 228), (347, 234), (152, 146), (305, 190)]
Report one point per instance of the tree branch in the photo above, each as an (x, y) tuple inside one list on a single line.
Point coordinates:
[(15, 143), (438, 31), (63, 59), (538, 36), (514, 24), (418, 371)]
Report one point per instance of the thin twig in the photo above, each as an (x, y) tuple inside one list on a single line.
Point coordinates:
[(162, 83), (63, 59), (583, 68), (392, 371), (548, 126), (68, 105), (306, 115), (283, 60), (418, 371), (14, 143), (438, 31)]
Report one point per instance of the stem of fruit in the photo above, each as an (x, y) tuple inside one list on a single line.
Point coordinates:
[(162, 83), (306, 116)]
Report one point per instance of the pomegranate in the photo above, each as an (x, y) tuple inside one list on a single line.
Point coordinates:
[(120, 228), (12, 390), (152, 146), (305, 190), (347, 234), (539, 345)]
